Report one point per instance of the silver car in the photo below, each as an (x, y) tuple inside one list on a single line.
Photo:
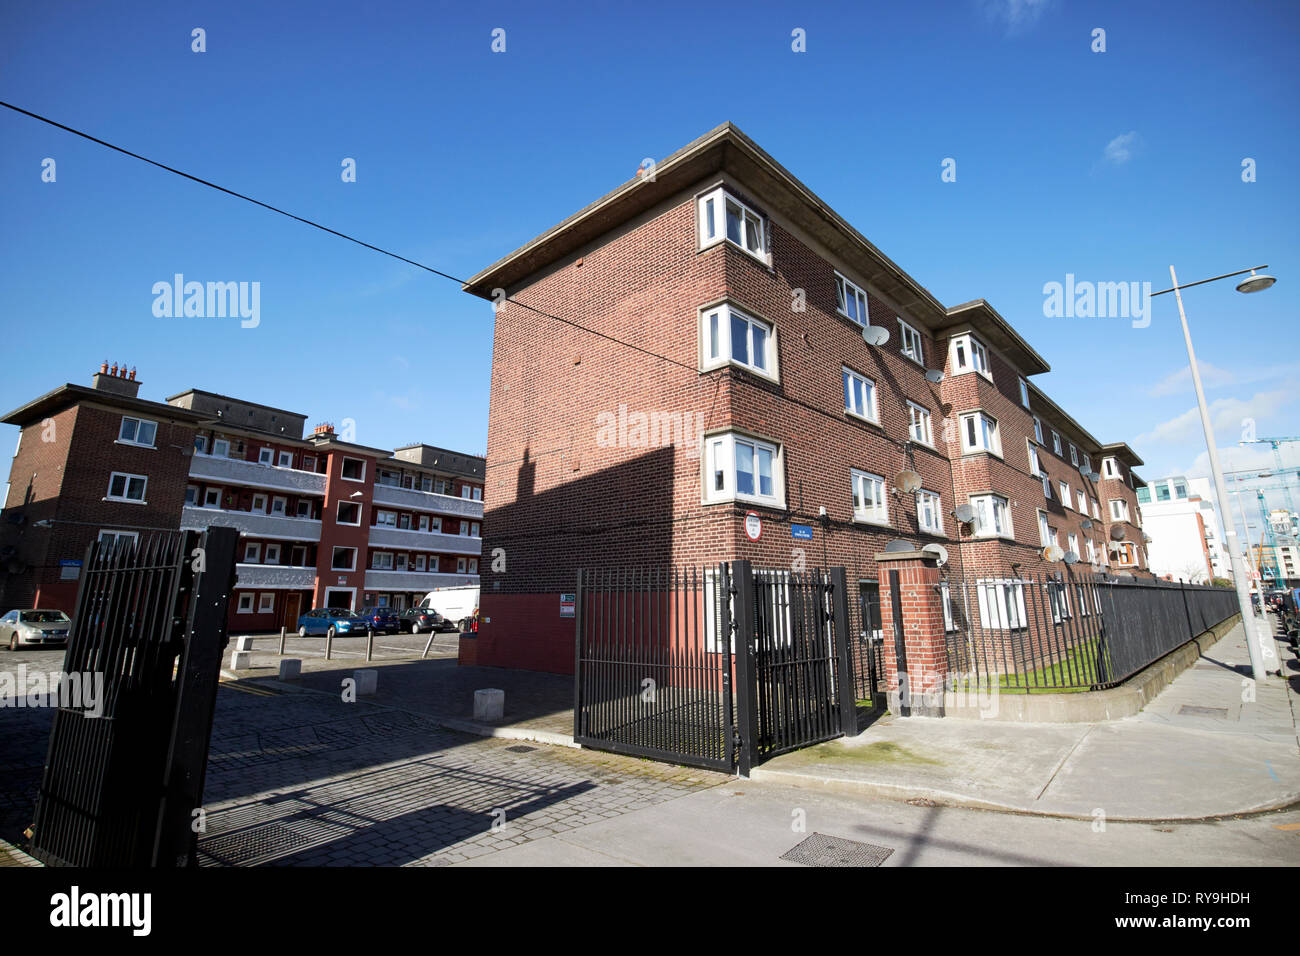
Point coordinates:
[(33, 628)]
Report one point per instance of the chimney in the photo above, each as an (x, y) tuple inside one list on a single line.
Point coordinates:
[(323, 431), (116, 380)]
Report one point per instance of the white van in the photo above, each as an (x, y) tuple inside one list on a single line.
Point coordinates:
[(456, 604)]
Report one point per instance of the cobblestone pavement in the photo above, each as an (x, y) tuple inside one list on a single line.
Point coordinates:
[(305, 779)]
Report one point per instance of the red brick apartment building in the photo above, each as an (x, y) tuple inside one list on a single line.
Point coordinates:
[(743, 382), (322, 521)]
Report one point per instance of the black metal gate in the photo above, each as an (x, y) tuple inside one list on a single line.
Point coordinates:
[(123, 777), (717, 668)]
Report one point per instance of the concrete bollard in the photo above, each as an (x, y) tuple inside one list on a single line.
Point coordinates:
[(489, 704), (290, 668), (367, 682), (241, 660), (243, 643)]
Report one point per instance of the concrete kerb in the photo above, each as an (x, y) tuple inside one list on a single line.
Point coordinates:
[(1089, 707)]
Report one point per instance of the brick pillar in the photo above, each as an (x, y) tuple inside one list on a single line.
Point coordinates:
[(924, 651)]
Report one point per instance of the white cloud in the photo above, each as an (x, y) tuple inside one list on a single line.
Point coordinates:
[(1226, 416), (1120, 149), (1015, 14), (1180, 382)]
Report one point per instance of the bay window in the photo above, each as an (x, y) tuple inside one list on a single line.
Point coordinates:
[(738, 467), (869, 502), (730, 336)]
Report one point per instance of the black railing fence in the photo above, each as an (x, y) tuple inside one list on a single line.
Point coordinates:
[(1039, 633)]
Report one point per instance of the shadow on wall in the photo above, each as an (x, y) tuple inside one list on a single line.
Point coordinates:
[(534, 545)]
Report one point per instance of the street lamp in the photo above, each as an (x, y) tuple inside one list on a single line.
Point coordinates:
[(1255, 283)]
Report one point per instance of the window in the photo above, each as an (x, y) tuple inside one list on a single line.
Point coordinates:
[(266, 602), (1126, 554), (1096, 511), (1162, 492), (221, 448), (473, 566), (246, 602), (201, 444), (1001, 604), (279, 505), (1083, 503), (382, 561), (968, 354), (949, 624), (426, 483), (1073, 540), (304, 508), (344, 559), (860, 396), (980, 433), (419, 562), (869, 498), (1118, 509), (1087, 462), (265, 456), (460, 565), (404, 521), (1144, 495), (1056, 442), (1034, 468), (137, 431), (124, 487), (298, 557), (1045, 534), (722, 216), (309, 463), (424, 522), (851, 301), (992, 516), (354, 469), (1047, 488), (911, 342), (385, 519), (1058, 599), (114, 540), (349, 512), (272, 554), (252, 552), (729, 335), (285, 459), (919, 427), (392, 479), (401, 562), (1024, 393), (1074, 456), (212, 498), (929, 513), (1180, 489), (191, 494), (1092, 551), (738, 467), (1110, 468), (1065, 493), (259, 503), (1038, 430)]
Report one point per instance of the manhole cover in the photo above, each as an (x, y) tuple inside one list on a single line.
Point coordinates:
[(822, 850), (1192, 710), (521, 749), (246, 847)]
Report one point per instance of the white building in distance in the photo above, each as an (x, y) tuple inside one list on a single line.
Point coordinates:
[(1186, 534)]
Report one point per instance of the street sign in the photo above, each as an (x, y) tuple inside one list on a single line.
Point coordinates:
[(568, 602), (801, 531), (753, 525)]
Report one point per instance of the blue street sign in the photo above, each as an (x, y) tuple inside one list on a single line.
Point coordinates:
[(801, 531)]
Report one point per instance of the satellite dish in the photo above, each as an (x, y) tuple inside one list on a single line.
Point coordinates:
[(1053, 553), (1117, 533), (907, 481), (1094, 476), (934, 375), (875, 334), (1071, 558), (898, 544), (1085, 524), (965, 514), (1146, 538), (939, 551)]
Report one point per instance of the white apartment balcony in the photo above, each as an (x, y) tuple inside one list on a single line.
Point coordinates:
[(272, 576), (254, 524), (385, 537), (412, 500), (233, 471), (416, 580)]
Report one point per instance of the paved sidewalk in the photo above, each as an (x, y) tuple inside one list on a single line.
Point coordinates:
[(1197, 751)]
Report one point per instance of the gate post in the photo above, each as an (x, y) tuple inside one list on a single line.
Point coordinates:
[(911, 610), (847, 689), (742, 645)]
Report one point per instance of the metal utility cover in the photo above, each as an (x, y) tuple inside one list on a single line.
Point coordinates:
[(822, 850), (1192, 710)]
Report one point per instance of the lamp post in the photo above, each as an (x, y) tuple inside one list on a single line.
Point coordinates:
[(1255, 283)]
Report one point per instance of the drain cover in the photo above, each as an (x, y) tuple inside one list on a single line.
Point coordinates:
[(247, 847), (1192, 710), (822, 850), (521, 749)]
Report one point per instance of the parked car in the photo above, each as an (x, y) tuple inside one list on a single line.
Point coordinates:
[(381, 620), (417, 619), (330, 621), (34, 627)]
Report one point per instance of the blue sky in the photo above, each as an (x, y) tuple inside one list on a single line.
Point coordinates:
[(1108, 166)]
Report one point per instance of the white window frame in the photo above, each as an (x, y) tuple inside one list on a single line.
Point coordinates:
[(221, 448), (1081, 500), (722, 315), (343, 466), (918, 417), (201, 444), (966, 353), (460, 566), (1038, 429), (279, 505), (192, 500), (1045, 536), (419, 562), (990, 511), (1001, 604), (712, 219), (929, 512), (850, 378), (1035, 466), (1096, 510), (860, 483), (1120, 514), (259, 503), (1065, 494), (116, 538), (1110, 468), (385, 518), (272, 555), (1056, 442), (245, 608), (1074, 455), (265, 598), (334, 554), (207, 495), (1047, 486), (1087, 462), (266, 455), (720, 455), (121, 436), (381, 561), (252, 552), (1073, 540), (127, 479), (284, 459), (845, 290), (1024, 392), (910, 342), (339, 506), (980, 442)]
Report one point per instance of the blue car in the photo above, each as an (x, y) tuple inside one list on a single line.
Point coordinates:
[(381, 620), (330, 621)]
